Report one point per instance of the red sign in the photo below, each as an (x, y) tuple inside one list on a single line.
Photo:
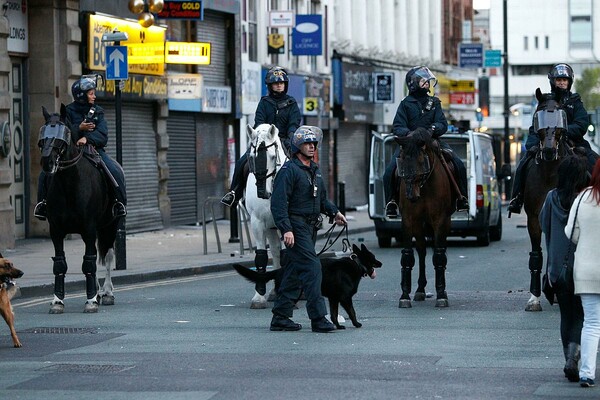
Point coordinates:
[(182, 10), (462, 98)]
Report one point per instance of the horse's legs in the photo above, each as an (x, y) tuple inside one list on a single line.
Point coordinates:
[(407, 262), (59, 268), (536, 260), (421, 246), (106, 294), (439, 264), (88, 267)]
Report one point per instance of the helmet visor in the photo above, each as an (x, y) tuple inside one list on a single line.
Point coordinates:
[(545, 119), (423, 75), (562, 71)]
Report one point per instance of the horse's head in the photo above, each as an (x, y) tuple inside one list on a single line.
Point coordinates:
[(265, 157), (54, 139), (413, 165), (550, 123)]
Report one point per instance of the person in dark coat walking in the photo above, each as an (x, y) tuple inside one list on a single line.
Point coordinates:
[(572, 178), (299, 198), (279, 109), (561, 80), (86, 122), (420, 110)]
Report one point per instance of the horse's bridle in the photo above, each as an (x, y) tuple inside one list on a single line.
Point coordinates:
[(263, 147)]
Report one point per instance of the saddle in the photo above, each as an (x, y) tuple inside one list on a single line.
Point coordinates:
[(92, 155)]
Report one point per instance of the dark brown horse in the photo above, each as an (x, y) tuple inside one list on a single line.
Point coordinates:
[(550, 122), (426, 203)]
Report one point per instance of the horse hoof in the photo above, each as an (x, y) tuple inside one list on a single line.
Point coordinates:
[(535, 306), (90, 307), (441, 303), (419, 296), (108, 300), (404, 303), (258, 305), (57, 308)]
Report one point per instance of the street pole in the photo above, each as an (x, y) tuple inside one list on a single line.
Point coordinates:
[(120, 247), (507, 183)]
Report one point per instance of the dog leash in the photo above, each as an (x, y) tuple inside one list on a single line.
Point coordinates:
[(329, 243)]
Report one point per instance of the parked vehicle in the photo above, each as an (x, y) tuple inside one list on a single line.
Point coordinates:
[(483, 219)]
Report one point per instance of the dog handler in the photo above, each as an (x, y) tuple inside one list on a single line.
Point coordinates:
[(299, 197)]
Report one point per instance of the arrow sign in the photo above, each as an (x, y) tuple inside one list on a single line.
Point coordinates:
[(116, 63)]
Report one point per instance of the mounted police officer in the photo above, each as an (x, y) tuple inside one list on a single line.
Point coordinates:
[(279, 109), (420, 110), (86, 122), (561, 79), (299, 197)]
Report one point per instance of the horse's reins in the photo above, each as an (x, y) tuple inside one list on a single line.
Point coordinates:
[(66, 164), (277, 161)]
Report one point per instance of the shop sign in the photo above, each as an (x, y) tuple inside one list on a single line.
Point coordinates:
[(185, 86), (462, 98), (384, 87), (187, 53), (192, 10), (281, 19), (216, 99), (15, 12), (137, 87)]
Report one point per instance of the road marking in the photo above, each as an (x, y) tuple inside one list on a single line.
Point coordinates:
[(38, 301)]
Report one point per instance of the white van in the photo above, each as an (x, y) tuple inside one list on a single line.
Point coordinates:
[(482, 220)]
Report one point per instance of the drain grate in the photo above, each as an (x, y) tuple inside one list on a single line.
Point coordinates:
[(60, 330), (87, 368)]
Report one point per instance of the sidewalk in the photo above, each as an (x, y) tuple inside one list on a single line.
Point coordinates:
[(171, 252)]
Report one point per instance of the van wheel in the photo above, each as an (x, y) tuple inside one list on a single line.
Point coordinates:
[(496, 231), (384, 242), (483, 239)]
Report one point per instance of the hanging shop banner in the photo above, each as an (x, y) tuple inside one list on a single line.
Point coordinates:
[(307, 37), (276, 43), (186, 10), (185, 92)]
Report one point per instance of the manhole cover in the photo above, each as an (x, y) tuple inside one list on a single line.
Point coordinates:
[(60, 330), (88, 368)]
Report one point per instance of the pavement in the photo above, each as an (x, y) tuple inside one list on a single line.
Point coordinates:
[(154, 255)]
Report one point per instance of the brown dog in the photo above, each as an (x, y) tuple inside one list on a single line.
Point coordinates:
[(7, 290)]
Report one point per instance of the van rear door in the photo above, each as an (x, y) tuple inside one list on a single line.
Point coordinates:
[(376, 169)]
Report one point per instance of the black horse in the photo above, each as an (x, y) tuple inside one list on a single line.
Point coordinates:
[(550, 123), (78, 201), (427, 202)]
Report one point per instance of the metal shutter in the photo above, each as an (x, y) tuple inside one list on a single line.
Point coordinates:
[(139, 162), (211, 153), (181, 158), (213, 30), (353, 156)]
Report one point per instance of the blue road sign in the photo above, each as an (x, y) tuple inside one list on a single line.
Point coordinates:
[(470, 55), (493, 58), (116, 63)]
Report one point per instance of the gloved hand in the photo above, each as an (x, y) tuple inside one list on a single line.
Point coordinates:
[(421, 136)]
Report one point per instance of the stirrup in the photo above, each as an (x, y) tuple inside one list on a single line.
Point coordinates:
[(515, 206), (229, 198), (462, 204), (391, 210), (40, 211), (119, 209)]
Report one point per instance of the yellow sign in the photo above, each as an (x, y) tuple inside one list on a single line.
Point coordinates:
[(187, 53), (101, 24), (311, 105), (462, 86), (145, 53)]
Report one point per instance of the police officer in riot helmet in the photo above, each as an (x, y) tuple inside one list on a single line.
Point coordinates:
[(561, 80), (86, 122), (419, 109), (299, 198), (277, 108)]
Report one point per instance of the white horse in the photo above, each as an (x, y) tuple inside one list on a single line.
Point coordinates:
[(265, 158)]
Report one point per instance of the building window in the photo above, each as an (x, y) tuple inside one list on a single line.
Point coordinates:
[(525, 43), (536, 42), (547, 42), (249, 29), (580, 26)]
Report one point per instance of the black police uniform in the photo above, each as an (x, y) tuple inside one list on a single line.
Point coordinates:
[(421, 111), (76, 113), (281, 111), (577, 124), (299, 197)]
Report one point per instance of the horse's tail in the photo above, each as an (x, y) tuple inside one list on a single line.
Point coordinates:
[(255, 277)]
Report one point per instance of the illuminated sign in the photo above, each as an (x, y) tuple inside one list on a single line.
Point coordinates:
[(146, 53), (101, 24), (192, 10), (187, 53)]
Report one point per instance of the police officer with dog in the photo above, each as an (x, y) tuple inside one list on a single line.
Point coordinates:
[(420, 110), (299, 198), (86, 122), (279, 109), (561, 80)]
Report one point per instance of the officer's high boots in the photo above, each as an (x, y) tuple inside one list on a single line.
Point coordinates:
[(572, 356)]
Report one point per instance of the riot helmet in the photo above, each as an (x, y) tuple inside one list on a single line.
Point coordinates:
[(414, 77), (561, 70), (80, 88), (275, 75), (306, 134)]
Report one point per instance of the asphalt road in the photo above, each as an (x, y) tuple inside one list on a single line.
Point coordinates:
[(196, 338)]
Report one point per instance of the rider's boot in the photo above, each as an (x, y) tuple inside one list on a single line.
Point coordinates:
[(41, 211), (119, 209), (462, 204), (392, 210), (515, 204)]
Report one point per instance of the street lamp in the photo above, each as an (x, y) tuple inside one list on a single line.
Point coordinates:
[(145, 9)]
